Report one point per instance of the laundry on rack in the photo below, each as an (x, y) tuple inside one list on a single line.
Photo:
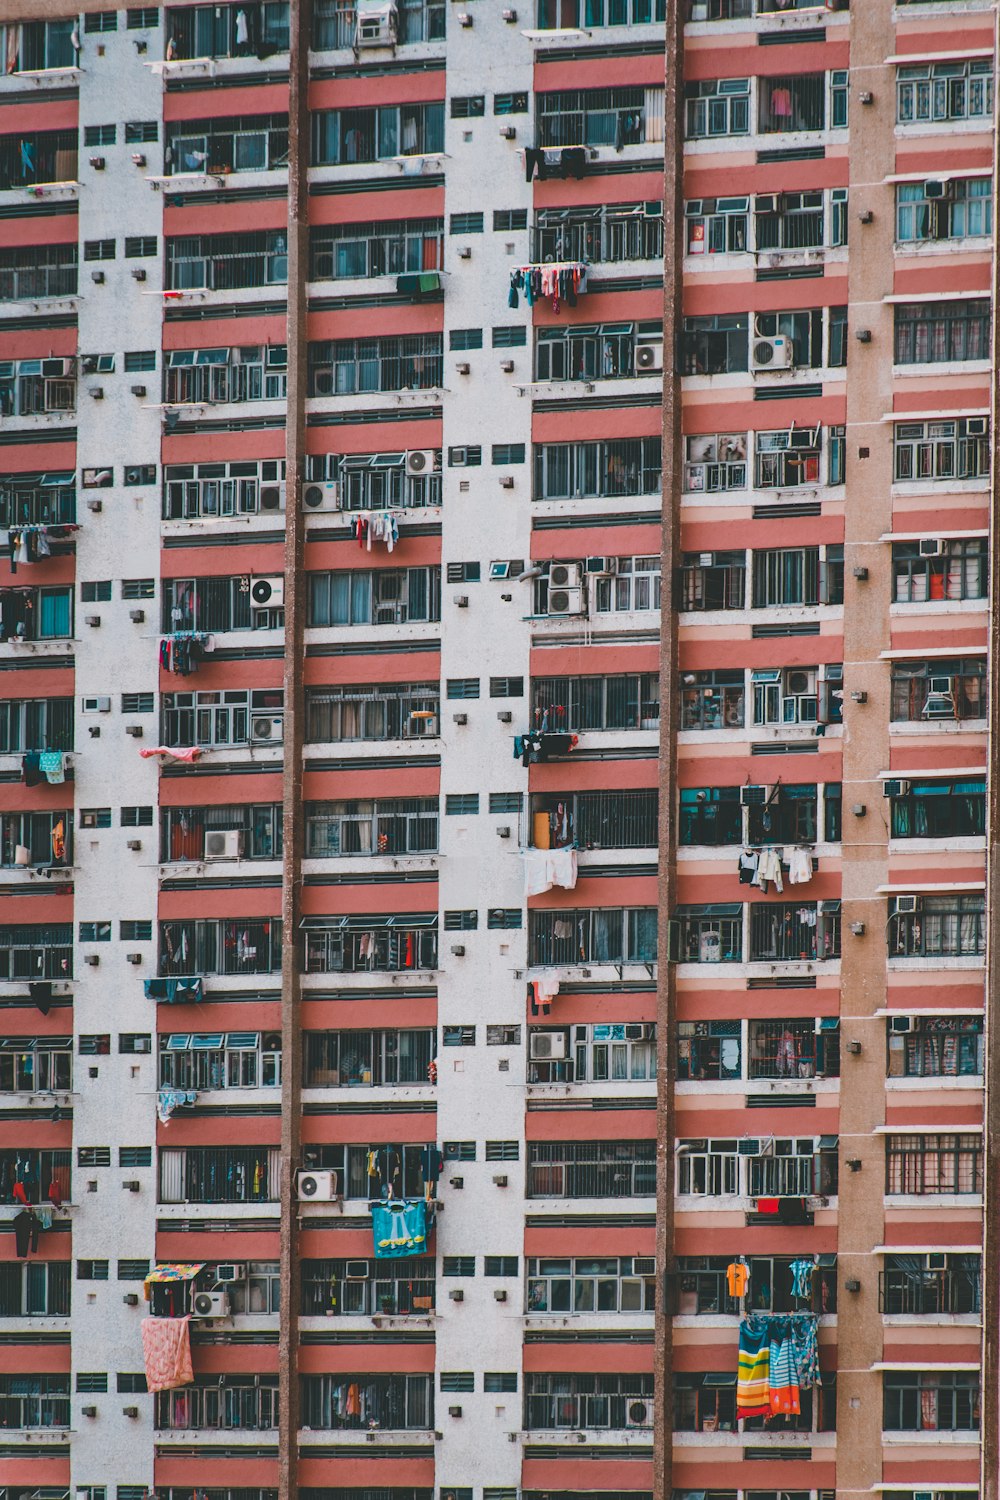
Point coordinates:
[(31, 768), (748, 862), (768, 868), (545, 868), (543, 986), (52, 764), (800, 868), (166, 1353), (399, 1228), (167, 1100), (778, 1358), (189, 754), (183, 991), (181, 651), (538, 746), (561, 281), (383, 527), (802, 1277), (28, 544)]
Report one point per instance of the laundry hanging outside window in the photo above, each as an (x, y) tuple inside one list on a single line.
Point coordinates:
[(399, 1228)]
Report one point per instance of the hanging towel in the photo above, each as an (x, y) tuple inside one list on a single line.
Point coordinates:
[(400, 1228), (783, 1392), (806, 1351), (799, 867), (752, 1379), (52, 764), (166, 1353)]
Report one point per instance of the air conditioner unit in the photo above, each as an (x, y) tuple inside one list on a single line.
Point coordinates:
[(771, 354), (937, 187), (323, 496), (648, 356), (635, 1031), (272, 496), (223, 844), (644, 1265), (266, 729), (323, 381), (895, 789), (414, 729), (567, 602), (901, 1023), (941, 685), (267, 593), (97, 705), (766, 203), (977, 426), (547, 1046), (931, 546), (937, 1260), (427, 460), (356, 1270), (229, 1271), (638, 1413), (906, 904), (133, 475), (752, 1145), (600, 567), (210, 1305), (56, 369), (565, 575), (317, 1187), (377, 24), (803, 438), (753, 796)]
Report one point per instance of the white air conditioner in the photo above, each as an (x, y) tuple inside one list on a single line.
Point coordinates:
[(648, 356), (600, 567), (905, 904), (937, 187), (638, 1413), (377, 24), (766, 203), (425, 461), (896, 789), (977, 426), (267, 593), (547, 1046), (771, 353), (752, 1145), (937, 1260), (317, 1187), (644, 1265), (931, 546), (223, 843), (356, 1270), (229, 1271), (97, 705), (58, 369), (210, 1305), (901, 1023), (414, 729), (266, 729), (945, 685), (753, 796), (565, 575), (322, 496), (272, 496), (567, 602)]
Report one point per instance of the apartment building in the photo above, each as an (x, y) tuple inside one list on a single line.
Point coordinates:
[(420, 1077)]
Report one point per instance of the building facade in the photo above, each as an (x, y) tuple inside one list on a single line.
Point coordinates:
[(495, 658)]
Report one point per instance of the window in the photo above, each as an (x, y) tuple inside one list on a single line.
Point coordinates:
[(713, 700), (470, 107), (100, 135), (349, 1059), (954, 209), (939, 571), (935, 1047), (233, 1060), (379, 944), (783, 932), (37, 156), (603, 935), (140, 360), (505, 802), (249, 143), (717, 344), (557, 14), (506, 687), (346, 136), (458, 1036), (387, 596), (248, 487), (500, 1265), (201, 1174), (948, 807), (230, 945), (461, 804), (921, 1164), (503, 1036), (249, 1402), (510, 104), (599, 117), (99, 249), (248, 373), (713, 580), (498, 1383), (507, 453), (798, 575), (131, 1385), (931, 92), (382, 248), (930, 1285), (137, 817), (954, 449), (135, 1156), (595, 1402), (620, 466), (599, 1053), (101, 20), (508, 220), (92, 1270), (357, 366), (463, 687), (939, 690), (938, 1401), (600, 234), (932, 333), (457, 1380), (135, 932), (502, 1151), (36, 1289), (590, 351), (626, 701), (504, 919), (710, 815), (93, 593), (141, 132), (139, 474), (35, 724), (634, 586), (717, 107), (949, 926), (465, 338), (93, 1156), (465, 223), (94, 1045), (372, 712), (142, 17), (598, 1284), (388, 825), (461, 920), (33, 271), (463, 572), (798, 695), (134, 1042), (95, 932), (458, 1265), (224, 262), (91, 1383), (34, 1065)]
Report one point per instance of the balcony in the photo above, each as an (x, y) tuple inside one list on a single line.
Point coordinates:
[(370, 944), (931, 1285), (593, 820), (401, 1288), (232, 1403)]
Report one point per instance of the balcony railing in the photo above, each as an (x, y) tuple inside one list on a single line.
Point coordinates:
[(43, 952), (227, 946), (593, 1169), (911, 1288), (398, 1287), (389, 1403), (34, 1411), (240, 1404), (335, 23), (353, 945), (38, 271), (594, 820)]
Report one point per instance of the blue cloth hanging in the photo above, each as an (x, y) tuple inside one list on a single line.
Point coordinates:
[(399, 1229)]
